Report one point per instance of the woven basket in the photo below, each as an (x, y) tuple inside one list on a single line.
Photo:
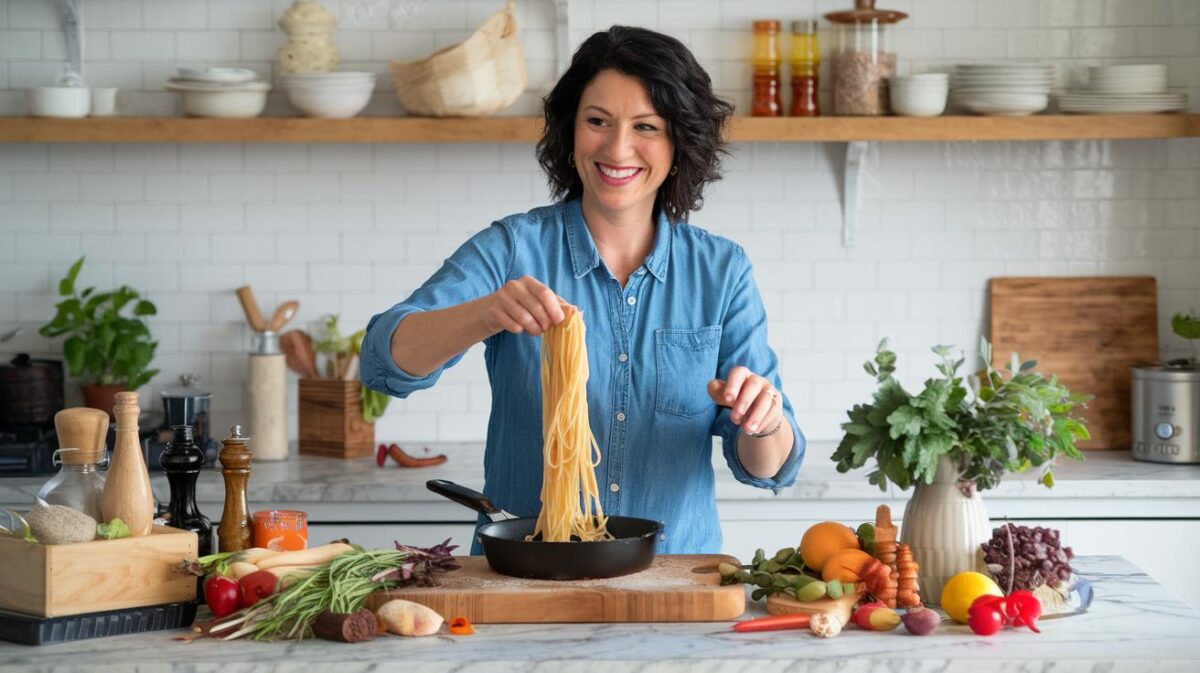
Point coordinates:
[(471, 79)]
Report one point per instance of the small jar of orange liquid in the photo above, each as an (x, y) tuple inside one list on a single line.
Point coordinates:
[(767, 101), (281, 530)]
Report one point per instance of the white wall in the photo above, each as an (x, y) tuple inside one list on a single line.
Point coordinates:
[(354, 228)]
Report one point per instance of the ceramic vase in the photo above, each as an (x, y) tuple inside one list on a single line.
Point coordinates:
[(944, 527)]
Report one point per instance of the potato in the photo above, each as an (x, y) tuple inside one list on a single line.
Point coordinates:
[(405, 618)]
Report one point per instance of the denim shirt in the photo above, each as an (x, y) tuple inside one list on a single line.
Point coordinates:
[(690, 313)]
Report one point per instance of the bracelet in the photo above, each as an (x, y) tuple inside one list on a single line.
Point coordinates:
[(760, 435)]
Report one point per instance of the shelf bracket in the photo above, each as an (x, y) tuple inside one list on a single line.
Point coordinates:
[(562, 35), (852, 179)]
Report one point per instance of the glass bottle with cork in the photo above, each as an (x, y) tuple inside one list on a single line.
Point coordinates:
[(79, 484), (806, 63), (766, 59)]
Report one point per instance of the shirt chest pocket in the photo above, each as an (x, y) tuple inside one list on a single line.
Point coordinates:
[(685, 360)]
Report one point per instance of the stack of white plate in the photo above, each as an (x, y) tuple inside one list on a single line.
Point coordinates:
[(1117, 89), (330, 95), (1002, 88)]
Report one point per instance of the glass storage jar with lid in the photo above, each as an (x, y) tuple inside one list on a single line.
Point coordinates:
[(863, 58), (79, 483)]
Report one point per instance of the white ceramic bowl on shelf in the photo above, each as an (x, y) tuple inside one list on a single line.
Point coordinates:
[(63, 102), (919, 95), (222, 101), (333, 95)]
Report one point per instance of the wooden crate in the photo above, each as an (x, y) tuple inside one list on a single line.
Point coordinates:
[(72, 579), (331, 420)]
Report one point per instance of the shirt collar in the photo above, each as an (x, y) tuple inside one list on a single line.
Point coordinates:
[(585, 257)]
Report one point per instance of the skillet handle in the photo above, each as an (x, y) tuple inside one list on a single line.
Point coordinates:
[(467, 497)]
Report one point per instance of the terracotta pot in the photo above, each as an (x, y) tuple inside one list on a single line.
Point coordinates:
[(945, 529), (101, 397)]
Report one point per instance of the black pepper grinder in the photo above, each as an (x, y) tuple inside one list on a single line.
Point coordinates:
[(181, 461)]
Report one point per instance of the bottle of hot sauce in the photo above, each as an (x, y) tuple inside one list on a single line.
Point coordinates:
[(806, 62), (766, 61)]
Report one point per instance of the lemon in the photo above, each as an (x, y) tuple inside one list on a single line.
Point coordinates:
[(962, 590)]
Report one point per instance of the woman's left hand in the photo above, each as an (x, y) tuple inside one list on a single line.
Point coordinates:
[(753, 401)]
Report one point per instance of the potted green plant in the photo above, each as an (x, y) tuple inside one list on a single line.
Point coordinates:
[(949, 441), (109, 343)]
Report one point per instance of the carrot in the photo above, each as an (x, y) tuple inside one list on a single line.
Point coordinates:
[(306, 557), (775, 623)]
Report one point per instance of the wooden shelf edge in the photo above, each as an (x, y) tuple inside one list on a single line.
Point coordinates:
[(527, 129)]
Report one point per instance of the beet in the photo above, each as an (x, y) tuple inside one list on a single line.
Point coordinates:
[(357, 627)]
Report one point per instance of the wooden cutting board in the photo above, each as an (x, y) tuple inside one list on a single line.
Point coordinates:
[(676, 588), (1089, 331), (841, 607)]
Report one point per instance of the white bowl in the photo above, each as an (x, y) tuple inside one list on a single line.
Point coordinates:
[(330, 103), (66, 102), (1003, 104), (223, 101), (923, 104), (216, 75)]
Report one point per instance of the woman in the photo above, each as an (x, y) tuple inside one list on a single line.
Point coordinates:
[(676, 332)]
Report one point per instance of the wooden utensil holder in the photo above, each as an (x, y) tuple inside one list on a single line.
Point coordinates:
[(331, 420), (72, 579)]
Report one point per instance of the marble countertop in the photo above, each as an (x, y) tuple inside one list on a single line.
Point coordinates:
[(1135, 624), (307, 480)]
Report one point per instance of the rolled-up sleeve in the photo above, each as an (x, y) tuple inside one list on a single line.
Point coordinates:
[(479, 267), (744, 342)]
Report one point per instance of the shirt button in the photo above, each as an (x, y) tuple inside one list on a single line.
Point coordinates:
[(623, 357), (631, 301), (620, 415), (614, 487)]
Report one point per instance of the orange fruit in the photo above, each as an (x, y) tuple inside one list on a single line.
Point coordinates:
[(848, 565), (823, 541)]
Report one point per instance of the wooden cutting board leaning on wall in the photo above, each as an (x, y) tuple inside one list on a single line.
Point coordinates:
[(1087, 330)]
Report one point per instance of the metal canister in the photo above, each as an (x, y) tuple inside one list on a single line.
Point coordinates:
[(1166, 413)]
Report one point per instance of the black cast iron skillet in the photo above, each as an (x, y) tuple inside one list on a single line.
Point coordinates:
[(509, 553)]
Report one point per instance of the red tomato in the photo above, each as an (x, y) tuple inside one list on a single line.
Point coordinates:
[(986, 615), (257, 586), (223, 595)]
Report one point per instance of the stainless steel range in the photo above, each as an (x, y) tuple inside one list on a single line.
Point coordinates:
[(1166, 412)]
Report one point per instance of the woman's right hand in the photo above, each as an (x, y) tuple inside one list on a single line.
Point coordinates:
[(524, 305)]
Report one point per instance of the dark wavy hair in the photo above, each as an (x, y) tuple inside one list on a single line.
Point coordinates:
[(680, 91)]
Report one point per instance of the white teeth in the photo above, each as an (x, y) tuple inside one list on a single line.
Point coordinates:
[(623, 173)]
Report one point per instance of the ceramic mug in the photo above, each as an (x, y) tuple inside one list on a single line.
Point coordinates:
[(58, 101), (104, 102)]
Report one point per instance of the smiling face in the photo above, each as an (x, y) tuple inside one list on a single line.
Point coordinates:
[(622, 149)]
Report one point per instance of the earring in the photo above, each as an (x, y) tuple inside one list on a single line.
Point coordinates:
[(571, 159), (675, 170)]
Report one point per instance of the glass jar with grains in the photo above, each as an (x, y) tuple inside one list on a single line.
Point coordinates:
[(863, 58)]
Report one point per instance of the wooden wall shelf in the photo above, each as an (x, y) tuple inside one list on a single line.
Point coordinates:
[(526, 129)]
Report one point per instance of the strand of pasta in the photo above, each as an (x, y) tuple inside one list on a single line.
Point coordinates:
[(570, 496)]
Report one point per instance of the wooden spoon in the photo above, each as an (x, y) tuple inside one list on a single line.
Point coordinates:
[(282, 316), (250, 307), (299, 353)]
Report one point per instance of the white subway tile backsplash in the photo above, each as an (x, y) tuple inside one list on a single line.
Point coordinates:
[(354, 228), (75, 217)]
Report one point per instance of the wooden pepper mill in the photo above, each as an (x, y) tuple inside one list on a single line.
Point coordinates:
[(235, 457), (127, 492)]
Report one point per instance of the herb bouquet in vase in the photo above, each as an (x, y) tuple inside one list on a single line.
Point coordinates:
[(949, 442)]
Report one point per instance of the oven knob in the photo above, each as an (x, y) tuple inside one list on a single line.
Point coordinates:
[(1164, 430)]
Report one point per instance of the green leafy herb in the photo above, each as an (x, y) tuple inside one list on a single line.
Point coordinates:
[(866, 536), (104, 346), (339, 348), (1186, 326), (1018, 420), (113, 530)]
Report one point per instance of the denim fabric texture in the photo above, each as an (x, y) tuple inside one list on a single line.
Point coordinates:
[(690, 313)]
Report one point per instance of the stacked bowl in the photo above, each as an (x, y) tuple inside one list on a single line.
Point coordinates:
[(1115, 89), (1008, 89), (224, 93), (329, 95), (921, 95)]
